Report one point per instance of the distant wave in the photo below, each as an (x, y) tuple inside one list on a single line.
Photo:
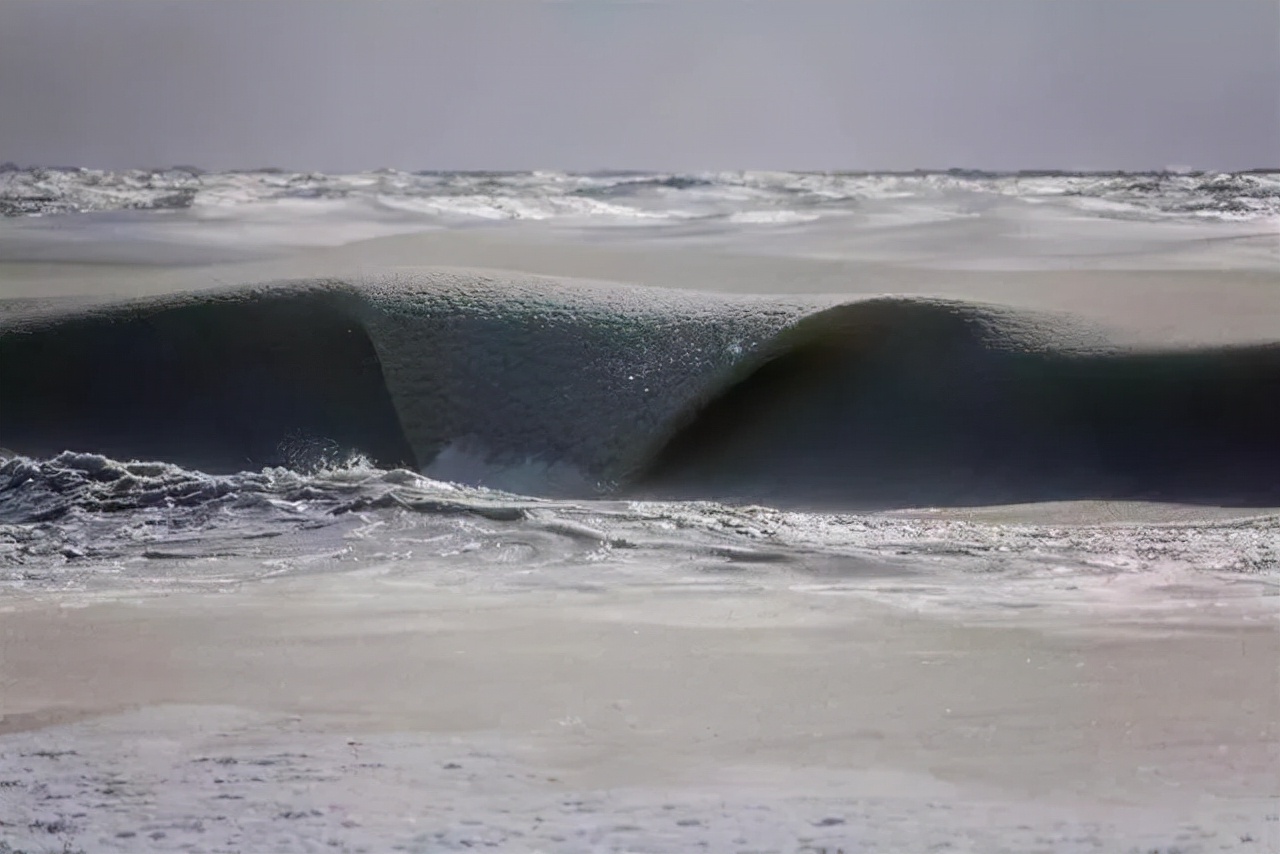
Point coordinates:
[(576, 389), (768, 197)]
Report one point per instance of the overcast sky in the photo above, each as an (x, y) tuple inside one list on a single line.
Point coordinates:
[(683, 84)]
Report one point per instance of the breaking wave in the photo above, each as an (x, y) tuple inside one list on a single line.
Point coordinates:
[(580, 390)]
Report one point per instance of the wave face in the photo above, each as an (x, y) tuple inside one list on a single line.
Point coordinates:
[(220, 384), (916, 409), (518, 383), (639, 198)]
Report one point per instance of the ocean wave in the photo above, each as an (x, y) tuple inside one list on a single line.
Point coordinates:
[(582, 390), (638, 197)]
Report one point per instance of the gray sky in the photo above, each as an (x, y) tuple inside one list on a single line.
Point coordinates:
[(682, 84)]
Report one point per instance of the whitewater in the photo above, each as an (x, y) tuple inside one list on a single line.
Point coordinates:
[(638, 512)]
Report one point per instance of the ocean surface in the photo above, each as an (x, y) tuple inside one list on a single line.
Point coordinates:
[(633, 512), (949, 390)]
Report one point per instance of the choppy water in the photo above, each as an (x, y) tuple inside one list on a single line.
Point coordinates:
[(81, 522), (743, 198)]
